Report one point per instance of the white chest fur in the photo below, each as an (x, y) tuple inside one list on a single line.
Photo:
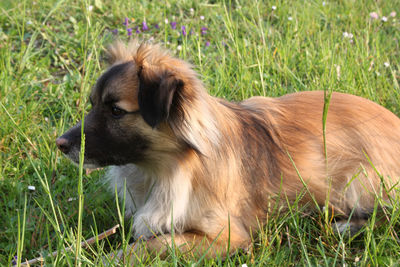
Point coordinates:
[(156, 203)]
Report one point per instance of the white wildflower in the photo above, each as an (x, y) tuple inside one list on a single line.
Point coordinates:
[(31, 187), (29, 22), (290, 18), (393, 14), (386, 64), (179, 48), (202, 17), (323, 3), (384, 19), (166, 21), (191, 11), (348, 35), (90, 8), (273, 7)]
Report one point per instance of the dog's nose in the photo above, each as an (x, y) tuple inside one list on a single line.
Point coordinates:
[(63, 144)]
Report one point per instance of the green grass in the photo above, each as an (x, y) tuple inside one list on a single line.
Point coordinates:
[(51, 53)]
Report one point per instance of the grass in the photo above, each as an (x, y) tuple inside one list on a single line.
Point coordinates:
[(51, 53)]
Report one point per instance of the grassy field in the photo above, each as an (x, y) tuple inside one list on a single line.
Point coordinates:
[(51, 53)]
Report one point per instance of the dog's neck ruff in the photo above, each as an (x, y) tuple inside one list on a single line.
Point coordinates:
[(155, 203)]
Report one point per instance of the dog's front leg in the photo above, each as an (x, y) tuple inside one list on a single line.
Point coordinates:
[(190, 244)]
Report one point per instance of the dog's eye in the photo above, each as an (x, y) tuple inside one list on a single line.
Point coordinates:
[(117, 112)]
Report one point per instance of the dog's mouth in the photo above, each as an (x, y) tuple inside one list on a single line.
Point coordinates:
[(88, 166)]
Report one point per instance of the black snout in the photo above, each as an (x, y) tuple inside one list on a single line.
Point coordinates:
[(70, 140), (63, 144)]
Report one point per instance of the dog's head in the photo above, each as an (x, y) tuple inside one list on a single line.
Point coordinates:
[(134, 104)]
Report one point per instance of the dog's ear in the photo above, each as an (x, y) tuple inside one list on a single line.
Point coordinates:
[(156, 94)]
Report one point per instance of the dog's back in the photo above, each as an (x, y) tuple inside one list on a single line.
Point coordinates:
[(362, 145)]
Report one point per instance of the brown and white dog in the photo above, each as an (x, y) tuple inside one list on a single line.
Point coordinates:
[(210, 169)]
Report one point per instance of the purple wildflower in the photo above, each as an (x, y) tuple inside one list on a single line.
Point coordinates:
[(173, 25), (115, 31), (156, 26), (137, 30), (14, 261), (207, 43), (184, 33), (204, 30), (126, 23), (129, 30), (144, 26)]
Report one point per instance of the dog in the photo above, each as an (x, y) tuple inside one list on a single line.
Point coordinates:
[(202, 173)]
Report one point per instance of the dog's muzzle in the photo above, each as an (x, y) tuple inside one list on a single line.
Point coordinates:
[(63, 144), (69, 142)]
